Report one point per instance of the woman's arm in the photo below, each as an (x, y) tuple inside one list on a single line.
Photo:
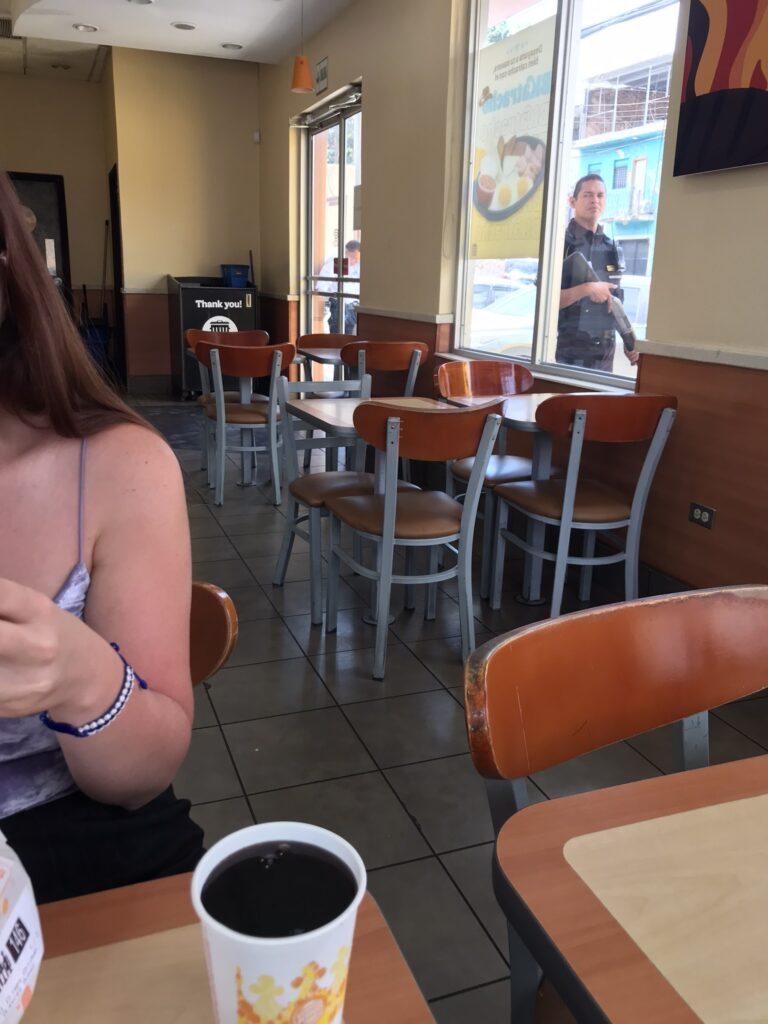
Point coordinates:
[(139, 598)]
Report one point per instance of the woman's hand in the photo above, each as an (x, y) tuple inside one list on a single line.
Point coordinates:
[(37, 657)]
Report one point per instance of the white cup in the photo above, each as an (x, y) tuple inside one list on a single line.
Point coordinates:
[(21, 940), (300, 978)]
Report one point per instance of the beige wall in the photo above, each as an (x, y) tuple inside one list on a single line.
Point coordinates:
[(405, 53), (51, 126), (710, 262), (189, 168)]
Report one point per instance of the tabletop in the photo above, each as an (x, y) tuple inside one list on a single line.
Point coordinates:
[(335, 415), (321, 355), (519, 411), (648, 902), (132, 954)]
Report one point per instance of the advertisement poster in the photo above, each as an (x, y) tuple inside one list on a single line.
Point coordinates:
[(514, 82), (724, 108)]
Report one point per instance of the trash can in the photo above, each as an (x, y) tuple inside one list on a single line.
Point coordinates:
[(235, 275)]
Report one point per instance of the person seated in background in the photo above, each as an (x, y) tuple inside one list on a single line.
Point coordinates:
[(94, 556)]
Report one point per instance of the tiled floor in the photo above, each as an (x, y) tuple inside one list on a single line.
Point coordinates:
[(295, 727)]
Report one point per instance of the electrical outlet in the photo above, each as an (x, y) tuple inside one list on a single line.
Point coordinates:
[(702, 515)]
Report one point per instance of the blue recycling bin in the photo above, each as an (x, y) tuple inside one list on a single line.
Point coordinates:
[(235, 275)]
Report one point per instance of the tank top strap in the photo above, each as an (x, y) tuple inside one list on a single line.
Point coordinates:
[(81, 507)]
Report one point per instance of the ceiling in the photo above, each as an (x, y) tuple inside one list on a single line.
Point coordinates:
[(41, 58), (267, 30)]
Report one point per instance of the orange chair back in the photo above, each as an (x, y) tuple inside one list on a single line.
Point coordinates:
[(245, 361), (563, 687), (431, 435), (478, 377), (255, 338), (613, 419), (384, 355), (212, 630), (324, 340)]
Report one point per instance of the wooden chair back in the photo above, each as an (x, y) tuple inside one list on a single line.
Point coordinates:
[(563, 687), (383, 356), (212, 630), (245, 361), (612, 419), (478, 377), (257, 339), (431, 435), (324, 340)]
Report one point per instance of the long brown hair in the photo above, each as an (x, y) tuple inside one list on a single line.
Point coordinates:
[(45, 368)]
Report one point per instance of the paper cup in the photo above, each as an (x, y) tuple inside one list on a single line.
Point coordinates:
[(21, 940), (301, 979)]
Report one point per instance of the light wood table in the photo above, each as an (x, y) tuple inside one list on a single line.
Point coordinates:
[(157, 973), (648, 903), (335, 416), (325, 356)]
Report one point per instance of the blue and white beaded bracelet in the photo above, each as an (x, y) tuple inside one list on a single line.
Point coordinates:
[(81, 731)]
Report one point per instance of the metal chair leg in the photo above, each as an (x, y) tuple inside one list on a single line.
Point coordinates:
[(466, 617), (631, 559), (694, 741), (204, 444), (221, 455), (334, 570), (502, 516), (430, 612), (489, 523), (561, 565), (585, 579), (524, 979), (274, 461), (286, 547), (410, 590), (315, 567), (383, 596)]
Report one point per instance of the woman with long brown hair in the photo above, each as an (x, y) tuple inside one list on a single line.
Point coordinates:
[(95, 693)]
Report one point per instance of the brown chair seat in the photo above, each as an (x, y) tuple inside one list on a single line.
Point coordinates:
[(314, 489), (420, 514), (594, 503), (237, 413), (229, 398), (502, 469)]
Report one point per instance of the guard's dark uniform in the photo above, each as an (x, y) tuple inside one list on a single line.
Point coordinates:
[(586, 331)]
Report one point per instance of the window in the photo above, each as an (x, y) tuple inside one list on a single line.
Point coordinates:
[(620, 174), (593, 76)]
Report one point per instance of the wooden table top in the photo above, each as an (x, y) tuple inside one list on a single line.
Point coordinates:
[(381, 990), (322, 355), (519, 411), (335, 415), (646, 900)]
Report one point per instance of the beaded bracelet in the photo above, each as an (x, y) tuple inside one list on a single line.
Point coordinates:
[(81, 731)]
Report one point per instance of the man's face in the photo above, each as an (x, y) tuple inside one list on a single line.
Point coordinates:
[(353, 255), (589, 204)]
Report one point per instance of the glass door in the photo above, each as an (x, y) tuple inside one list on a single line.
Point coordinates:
[(333, 281)]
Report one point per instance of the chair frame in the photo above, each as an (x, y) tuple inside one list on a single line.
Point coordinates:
[(218, 441), (204, 597), (313, 516), (587, 560), (459, 544), (527, 720), (364, 348)]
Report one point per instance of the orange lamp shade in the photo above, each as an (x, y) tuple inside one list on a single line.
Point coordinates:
[(302, 76)]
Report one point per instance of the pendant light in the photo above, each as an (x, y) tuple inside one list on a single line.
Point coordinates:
[(302, 76)]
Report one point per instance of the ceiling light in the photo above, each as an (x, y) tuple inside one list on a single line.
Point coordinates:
[(184, 26), (61, 67), (231, 46), (302, 76), (82, 27), (141, 1)]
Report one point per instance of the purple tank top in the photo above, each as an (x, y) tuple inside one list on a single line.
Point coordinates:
[(32, 767)]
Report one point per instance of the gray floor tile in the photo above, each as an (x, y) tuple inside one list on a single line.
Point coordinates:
[(257, 545), (291, 750), (362, 809), (260, 691), (251, 603), (471, 871), (207, 772), (351, 633), (611, 766), (263, 519), (443, 657), (197, 511), (204, 527), (264, 640), (442, 941), (348, 675), (248, 502), (225, 574), (222, 817), (293, 598), (457, 693), (749, 717), (411, 625), (725, 744), (446, 798), (204, 715), (486, 1005), (263, 568), (401, 730), (210, 549)]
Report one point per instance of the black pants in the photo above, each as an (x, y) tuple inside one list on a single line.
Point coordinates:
[(75, 845), (591, 353)]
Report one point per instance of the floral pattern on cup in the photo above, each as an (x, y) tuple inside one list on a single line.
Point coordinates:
[(318, 996)]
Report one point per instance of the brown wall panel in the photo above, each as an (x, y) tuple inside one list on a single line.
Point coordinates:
[(147, 334), (279, 318), (372, 327)]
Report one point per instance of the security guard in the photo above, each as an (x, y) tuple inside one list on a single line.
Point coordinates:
[(586, 331)]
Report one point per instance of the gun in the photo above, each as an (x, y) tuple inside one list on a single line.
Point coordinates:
[(581, 273)]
